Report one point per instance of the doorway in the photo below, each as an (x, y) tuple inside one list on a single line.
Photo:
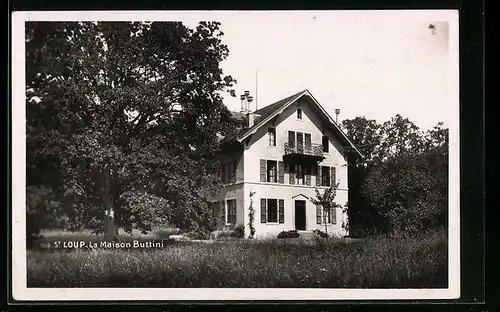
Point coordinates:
[(300, 215)]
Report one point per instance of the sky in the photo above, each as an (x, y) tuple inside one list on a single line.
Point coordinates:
[(364, 63)]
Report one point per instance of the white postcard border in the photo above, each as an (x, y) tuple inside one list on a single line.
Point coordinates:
[(19, 272)]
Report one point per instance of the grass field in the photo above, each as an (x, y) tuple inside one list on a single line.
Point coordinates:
[(370, 263)]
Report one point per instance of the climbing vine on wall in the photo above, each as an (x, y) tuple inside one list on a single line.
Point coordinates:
[(345, 223), (251, 216)]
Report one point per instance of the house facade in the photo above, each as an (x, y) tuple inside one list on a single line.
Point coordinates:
[(285, 151)]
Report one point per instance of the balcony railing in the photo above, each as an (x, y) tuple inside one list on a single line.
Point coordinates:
[(304, 149)]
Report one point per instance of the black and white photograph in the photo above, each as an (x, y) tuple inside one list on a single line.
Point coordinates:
[(235, 155)]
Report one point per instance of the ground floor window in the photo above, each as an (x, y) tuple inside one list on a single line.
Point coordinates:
[(322, 216), (231, 211), (272, 210)]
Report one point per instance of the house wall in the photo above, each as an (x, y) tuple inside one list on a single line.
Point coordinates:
[(240, 164), (289, 194), (231, 191), (258, 148), (234, 191)]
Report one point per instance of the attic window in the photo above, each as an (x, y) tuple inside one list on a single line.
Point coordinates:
[(299, 113)]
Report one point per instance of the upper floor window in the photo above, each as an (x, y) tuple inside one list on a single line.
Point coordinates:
[(326, 144), (228, 171), (272, 136), (299, 172), (299, 113), (272, 171), (325, 176)]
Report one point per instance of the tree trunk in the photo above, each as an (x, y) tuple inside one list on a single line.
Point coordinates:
[(326, 225), (110, 228)]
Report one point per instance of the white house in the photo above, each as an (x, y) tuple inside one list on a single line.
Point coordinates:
[(284, 152)]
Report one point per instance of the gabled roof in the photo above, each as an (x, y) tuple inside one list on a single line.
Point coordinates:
[(267, 113)]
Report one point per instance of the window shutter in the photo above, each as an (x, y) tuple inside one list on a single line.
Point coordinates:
[(291, 138), (262, 210), (234, 211), (325, 142), (223, 212), (233, 171), (308, 174), (281, 211), (318, 176), (281, 172), (318, 214), (292, 176), (333, 215), (263, 170), (332, 176), (223, 173)]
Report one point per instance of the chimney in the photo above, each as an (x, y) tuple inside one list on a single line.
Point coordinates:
[(337, 112), (243, 104), (250, 119)]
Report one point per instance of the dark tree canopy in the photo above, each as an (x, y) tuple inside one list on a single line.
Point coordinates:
[(126, 117), (401, 184)]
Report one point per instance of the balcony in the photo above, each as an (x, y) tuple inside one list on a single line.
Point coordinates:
[(304, 152)]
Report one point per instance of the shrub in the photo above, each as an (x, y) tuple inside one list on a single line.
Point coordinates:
[(288, 234), (320, 233), (359, 233), (41, 211), (239, 231)]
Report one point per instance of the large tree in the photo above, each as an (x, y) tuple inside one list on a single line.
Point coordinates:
[(124, 119)]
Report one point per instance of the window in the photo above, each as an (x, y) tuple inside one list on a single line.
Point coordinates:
[(271, 171), (300, 171), (291, 139), (300, 142), (272, 210), (228, 171), (299, 113), (326, 144), (325, 176), (272, 136), (329, 216), (231, 211)]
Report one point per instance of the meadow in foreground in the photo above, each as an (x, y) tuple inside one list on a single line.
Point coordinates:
[(370, 263)]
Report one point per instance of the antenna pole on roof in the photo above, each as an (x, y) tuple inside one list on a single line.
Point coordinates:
[(256, 91)]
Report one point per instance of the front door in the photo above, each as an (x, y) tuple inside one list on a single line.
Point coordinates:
[(300, 215)]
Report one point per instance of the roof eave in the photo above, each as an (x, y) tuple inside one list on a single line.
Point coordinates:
[(282, 109)]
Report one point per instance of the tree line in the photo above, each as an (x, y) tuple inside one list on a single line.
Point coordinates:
[(400, 186)]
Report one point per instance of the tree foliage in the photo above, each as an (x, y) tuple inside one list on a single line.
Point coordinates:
[(126, 116), (327, 201), (401, 185)]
